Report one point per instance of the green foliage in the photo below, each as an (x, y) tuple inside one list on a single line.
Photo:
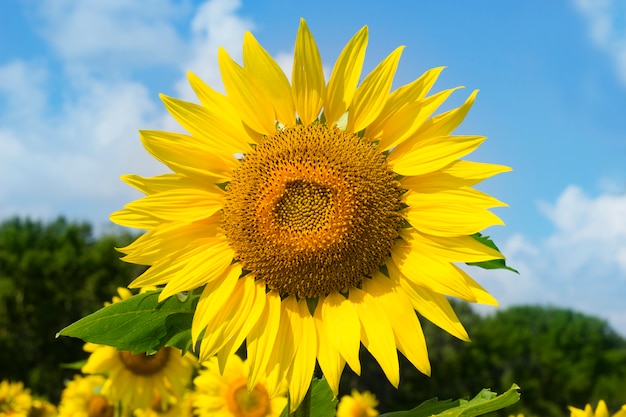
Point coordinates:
[(138, 324), (558, 357), (483, 403), (52, 274)]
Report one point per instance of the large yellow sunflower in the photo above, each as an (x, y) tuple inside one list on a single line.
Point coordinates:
[(317, 215), (134, 379)]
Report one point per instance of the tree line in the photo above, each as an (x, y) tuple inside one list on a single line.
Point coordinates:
[(53, 273)]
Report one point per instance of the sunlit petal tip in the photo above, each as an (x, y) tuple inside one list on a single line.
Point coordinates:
[(370, 97), (308, 83), (345, 78)]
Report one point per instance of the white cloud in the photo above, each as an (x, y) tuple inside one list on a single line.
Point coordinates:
[(607, 29), (215, 24), (132, 32), (581, 265)]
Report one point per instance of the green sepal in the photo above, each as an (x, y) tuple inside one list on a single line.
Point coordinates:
[(483, 403), (139, 323), (494, 263)]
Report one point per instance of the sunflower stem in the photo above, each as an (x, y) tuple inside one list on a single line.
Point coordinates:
[(304, 409)]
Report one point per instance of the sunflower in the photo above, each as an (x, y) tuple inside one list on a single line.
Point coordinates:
[(601, 411), (82, 398), (226, 394), (318, 214), (357, 404), (42, 408), (134, 379), (15, 400)]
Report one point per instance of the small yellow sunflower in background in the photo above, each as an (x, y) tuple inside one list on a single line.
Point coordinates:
[(82, 398), (42, 408), (174, 407), (134, 379), (15, 400), (316, 215), (601, 411), (358, 404), (226, 394)]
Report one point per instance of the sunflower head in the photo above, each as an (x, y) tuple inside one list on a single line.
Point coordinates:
[(320, 213)]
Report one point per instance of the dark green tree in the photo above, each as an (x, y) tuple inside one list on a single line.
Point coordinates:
[(558, 356), (52, 274)]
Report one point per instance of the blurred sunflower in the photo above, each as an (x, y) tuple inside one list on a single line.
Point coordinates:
[(358, 404), (320, 215), (42, 408), (15, 400), (174, 407), (226, 393), (82, 398), (601, 411), (135, 379)]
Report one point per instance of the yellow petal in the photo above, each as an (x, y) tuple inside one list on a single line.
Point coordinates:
[(474, 170), (435, 308), (371, 96), (402, 96), (242, 307), (218, 104), (169, 239), (440, 276), (134, 219), (246, 95), (214, 295), (345, 77), (301, 370), (189, 157), (271, 77), (203, 267), (308, 76), (283, 352), (406, 121), (242, 324), (184, 205), (330, 360), (445, 123), (262, 339), (157, 184), (376, 334), (453, 213), (342, 326), (400, 314), (482, 296), (417, 157), (451, 249), (206, 127)]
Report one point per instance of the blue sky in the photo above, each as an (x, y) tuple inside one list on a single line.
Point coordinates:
[(78, 79)]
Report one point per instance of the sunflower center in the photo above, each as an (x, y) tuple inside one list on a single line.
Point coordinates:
[(312, 210), (99, 406), (244, 403), (143, 364), (303, 206)]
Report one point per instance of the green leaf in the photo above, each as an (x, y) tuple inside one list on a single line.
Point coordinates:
[(485, 402), (138, 324), (425, 409), (494, 263), (323, 401)]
